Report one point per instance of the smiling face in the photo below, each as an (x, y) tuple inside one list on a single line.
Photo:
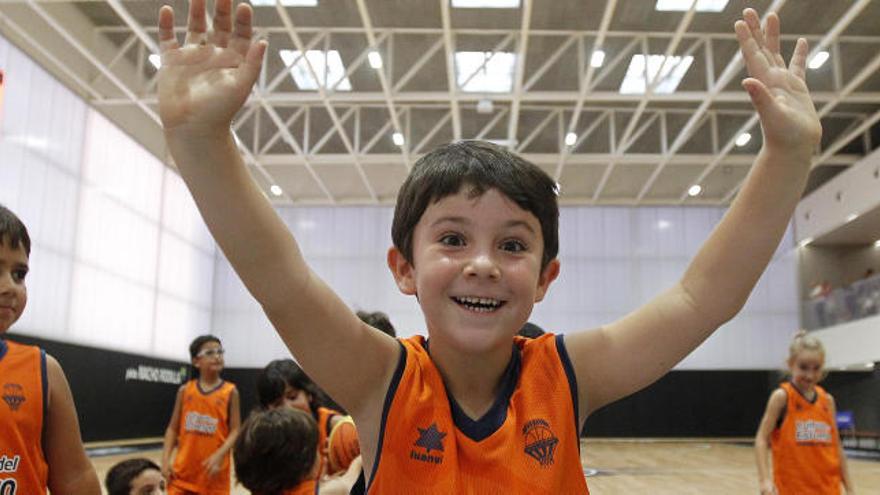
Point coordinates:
[(476, 269), (806, 369), (13, 291)]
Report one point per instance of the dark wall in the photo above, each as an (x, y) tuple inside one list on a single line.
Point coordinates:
[(109, 406), (112, 405)]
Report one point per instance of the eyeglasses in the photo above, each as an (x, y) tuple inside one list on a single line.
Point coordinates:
[(211, 353)]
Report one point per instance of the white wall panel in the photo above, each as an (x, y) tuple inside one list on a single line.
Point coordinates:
[(613, 260), (97, 205)]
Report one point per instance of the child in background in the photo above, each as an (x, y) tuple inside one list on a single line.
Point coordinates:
[(475, 231), (378, 320), (203, 426), (283, 383), (800, 430), (40, 443), (135, 477), (276, 454)]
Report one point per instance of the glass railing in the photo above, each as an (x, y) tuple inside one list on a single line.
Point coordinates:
[(858, 300)]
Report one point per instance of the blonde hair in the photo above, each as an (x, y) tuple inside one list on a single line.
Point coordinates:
[(804, 342)]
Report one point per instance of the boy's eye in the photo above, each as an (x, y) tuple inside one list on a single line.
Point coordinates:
[(513, 246), (19, 274), (452, 240)]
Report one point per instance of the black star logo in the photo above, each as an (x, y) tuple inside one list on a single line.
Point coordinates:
[(430, 438)]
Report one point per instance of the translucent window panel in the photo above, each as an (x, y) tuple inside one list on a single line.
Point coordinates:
[(108, 310), (18, 71), (180, 214), (66, 129), (56, 226), (185, 272), (177, 323), (116, 239), (121, 168), (11, 173), (48, 283)]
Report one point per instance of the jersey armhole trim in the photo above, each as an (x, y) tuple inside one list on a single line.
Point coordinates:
[(572, 383), (386, 407)]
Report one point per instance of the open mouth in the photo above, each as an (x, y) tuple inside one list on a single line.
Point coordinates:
[(479, 304)]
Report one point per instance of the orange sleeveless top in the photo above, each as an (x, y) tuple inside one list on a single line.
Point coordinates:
[(806, 455), (526, 443), (204, 426), (23, 388)]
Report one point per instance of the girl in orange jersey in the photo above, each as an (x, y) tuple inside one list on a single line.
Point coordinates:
[(40, 444), (203, 426), (799, 429), (283, 383)]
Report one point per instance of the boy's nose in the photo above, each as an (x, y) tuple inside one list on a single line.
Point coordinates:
[(482, 265)]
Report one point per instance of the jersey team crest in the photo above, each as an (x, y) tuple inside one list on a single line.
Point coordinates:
[(13, 395), (540, 441)]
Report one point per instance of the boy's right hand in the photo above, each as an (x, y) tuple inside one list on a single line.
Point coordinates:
[(768, 488), (167, 472), (206, 81)]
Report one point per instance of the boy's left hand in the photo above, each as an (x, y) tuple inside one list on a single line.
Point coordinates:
[(213, 463), (779, 93)]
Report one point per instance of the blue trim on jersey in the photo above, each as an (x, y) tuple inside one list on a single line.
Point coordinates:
[(209, 392), (389, 397), (45, 380), (572, 383), (3, 348), (480, 429)]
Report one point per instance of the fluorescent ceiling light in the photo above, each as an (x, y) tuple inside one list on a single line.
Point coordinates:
[(276, 189), (485, 72), (851, 217), (869, 365), (805, 242), (818, 60), (673, 71), (484, 4), (156, 60), (695, 190), (743, 139), (375, 59), (663, 224), (285, 3), (597, 59), (702, 5), (329, 69), (397, 138), (570, 139), (877, 243)]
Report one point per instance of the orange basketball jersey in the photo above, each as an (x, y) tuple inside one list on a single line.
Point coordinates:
[(23, 388), (204, 426), (806, 446), (526, 443)]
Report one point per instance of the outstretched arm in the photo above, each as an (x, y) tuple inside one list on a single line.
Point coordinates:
[(629, 354), (202, 84)]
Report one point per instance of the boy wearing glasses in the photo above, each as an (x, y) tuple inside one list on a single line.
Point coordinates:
[(203, 426)]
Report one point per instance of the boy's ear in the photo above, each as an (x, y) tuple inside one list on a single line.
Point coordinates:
[(548, 275), (402, 271)]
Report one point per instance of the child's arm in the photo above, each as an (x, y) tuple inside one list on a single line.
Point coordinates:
[(214, 461), (762, 440), (844, 467), (631, 353), (341, 484), (69, 468), (201, 87), (170, 440)]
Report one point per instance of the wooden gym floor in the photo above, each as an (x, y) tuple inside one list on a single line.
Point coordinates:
[(661, 466)]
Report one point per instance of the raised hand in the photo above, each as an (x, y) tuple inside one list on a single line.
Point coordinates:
[(203, 83), (779, 93)]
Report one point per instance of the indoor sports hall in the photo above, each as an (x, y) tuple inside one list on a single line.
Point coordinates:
[(634, 108)]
